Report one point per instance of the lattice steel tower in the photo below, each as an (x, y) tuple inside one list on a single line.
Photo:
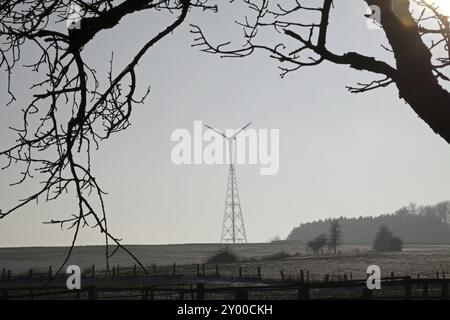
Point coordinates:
[(233, 229)]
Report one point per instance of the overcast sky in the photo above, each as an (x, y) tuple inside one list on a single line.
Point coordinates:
[(340, 153)]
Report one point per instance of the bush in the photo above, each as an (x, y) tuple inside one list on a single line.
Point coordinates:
[(277, 256), (385, 240), (225, 255)]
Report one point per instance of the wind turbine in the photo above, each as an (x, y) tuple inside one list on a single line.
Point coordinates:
[(233, 229)]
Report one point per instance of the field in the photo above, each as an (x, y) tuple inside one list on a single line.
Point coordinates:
[(425, 260)]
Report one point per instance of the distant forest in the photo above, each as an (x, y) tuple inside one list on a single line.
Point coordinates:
[(413, 224)]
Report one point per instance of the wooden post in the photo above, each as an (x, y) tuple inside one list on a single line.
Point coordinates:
[(118, 271), (282, 275), (367, 294), (9, 275), (327, 277), (425, 290), (217, 270), (50, 272), (92, 293), (200, 291), (408, 290), (174, 270), (444, 290), (114, 272), (240, 272), (259, 273), (145, 293), (4, 274), (192, 291), (154, 271), (203, 270), (345, 277), (30, 275), (418, 276), (303, 292), (437, 274), (302, 276), (443, 274), (93, 271), (307, 276), (241, 294), (351, 276), (134, 271), (392, 276), (198, 270)]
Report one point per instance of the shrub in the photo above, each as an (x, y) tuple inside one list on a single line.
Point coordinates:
[(225, 255), (277, 256), (385, 240)]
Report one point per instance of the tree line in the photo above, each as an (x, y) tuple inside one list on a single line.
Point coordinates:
[(413, 224)]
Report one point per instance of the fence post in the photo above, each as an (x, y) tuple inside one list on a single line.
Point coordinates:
[(303, 292), (425, 290), (118, 271), (4, 274), (200, 291), (351, 276), (4, 295), (134, 271), (30, 275), (92, 293), (407, 281), (443, 274), (93, 271), (282, 275), (259, 273), (9, 275), (114, 272), (241, 294), (327, 277), (217, 270), (392, 276), (302, 276), (367, 294), (198, 270), (203, 270), (154, 271), (174, 270), (145, 293), (50, 272), (307, 276), (240, 272), (444, 290), (345, 277)]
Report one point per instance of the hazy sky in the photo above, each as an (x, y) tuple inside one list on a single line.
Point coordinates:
[(340, 153)]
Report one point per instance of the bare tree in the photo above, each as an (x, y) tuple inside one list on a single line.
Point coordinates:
[(318, 243), (57, 144), (335, 238), (419, 40)]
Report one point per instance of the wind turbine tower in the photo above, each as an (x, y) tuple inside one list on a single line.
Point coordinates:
[(233, 229)]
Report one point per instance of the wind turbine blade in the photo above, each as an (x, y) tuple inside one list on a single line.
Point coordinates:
[(216, 131), (240, 130)]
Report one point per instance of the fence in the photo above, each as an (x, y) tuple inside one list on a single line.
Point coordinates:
[(392, 288)]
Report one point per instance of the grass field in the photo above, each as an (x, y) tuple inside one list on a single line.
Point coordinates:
[(415, 259)]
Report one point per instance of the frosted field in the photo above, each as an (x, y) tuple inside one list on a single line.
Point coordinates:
[(423, 259)]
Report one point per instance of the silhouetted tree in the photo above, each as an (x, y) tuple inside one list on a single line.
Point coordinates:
[(318, 243), (335, 239), (419, 40), (385, 240), (71, 110)]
